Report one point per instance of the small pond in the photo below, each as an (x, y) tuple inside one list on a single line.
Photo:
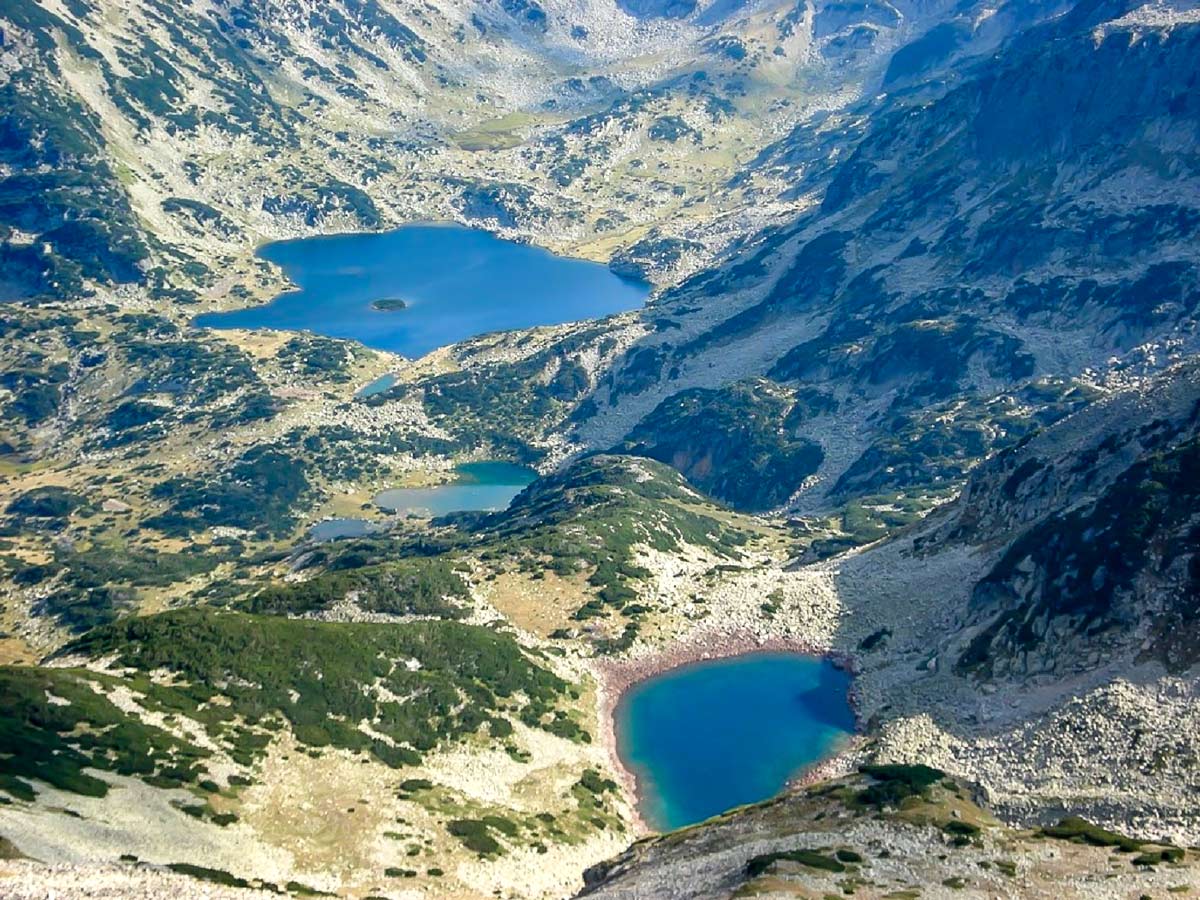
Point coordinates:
[(336, 529), (487, 486)]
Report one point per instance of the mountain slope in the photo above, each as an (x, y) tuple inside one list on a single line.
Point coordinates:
[(147, 150), (961, 250), (925, 349), (890, 831), (266, 119)]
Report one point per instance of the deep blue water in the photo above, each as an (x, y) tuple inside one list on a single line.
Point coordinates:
[(479, 486), (456, 283), (707, 737)]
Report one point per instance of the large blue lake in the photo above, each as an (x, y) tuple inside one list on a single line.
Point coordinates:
[(704, 738), (451, 282)]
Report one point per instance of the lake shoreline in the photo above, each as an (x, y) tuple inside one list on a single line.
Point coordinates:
[(475, 486), (615, 677)]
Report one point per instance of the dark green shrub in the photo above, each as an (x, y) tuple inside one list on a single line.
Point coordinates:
[(474, 836), (894, 783), (44, 503), (757, 865), (1074, 828)]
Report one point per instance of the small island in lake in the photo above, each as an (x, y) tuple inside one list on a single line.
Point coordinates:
[(389, 304), (508, 286)]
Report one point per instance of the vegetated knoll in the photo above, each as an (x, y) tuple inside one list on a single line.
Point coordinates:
[(613, 503), (594, 517), (245, 678), (888, 831), (420, 586)]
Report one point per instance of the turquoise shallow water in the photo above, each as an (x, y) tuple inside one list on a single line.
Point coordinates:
[(378, 386), (704, 738), (455, 283), (479, 486)]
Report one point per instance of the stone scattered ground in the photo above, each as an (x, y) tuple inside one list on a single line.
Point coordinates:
[(834, 840), (26, 880)]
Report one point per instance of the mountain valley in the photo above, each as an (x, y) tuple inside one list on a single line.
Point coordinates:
[(916, 389)]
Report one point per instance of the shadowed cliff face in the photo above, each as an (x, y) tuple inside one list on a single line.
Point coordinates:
[(1098, 522), (1034, 215), (1093, 575)]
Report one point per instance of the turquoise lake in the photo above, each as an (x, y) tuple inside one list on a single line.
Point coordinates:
[(704, 738), (378, 386), (454, 282), (488, 486)]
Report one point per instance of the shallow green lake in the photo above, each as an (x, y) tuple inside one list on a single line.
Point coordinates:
[(378, 386), (488, 486)]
